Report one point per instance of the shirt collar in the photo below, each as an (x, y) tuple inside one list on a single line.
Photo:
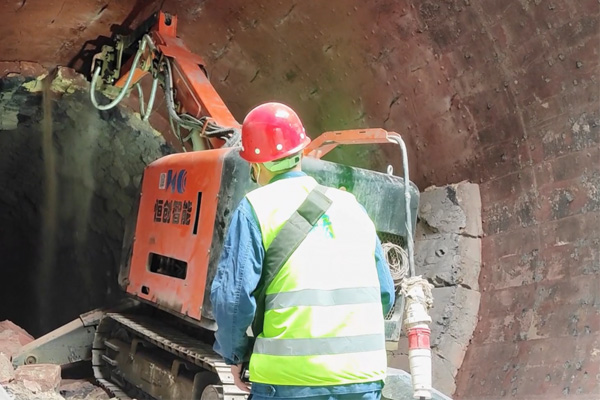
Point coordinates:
[(286, 175)]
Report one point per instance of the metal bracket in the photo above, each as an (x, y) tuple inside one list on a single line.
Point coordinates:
[(66, 345)]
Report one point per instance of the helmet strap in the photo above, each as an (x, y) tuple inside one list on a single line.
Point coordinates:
[(252, 176)]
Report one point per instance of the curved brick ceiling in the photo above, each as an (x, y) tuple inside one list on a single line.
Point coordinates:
[(341, 64)]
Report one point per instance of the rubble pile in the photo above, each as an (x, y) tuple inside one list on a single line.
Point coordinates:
[(37, 381)]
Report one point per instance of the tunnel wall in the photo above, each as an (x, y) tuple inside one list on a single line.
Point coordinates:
[(501, 93), (526, 74), (66, 193)]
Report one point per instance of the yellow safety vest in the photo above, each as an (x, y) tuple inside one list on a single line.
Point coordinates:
[(323, 321)]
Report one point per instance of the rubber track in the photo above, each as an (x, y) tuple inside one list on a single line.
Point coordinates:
[(166, 338)]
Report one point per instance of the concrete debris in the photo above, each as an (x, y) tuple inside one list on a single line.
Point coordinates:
[(20, 391), (32, 386), (81, 390), (448, 254), (455, 319), (9, 343), (7, 372), (449, 259), (451, 209), (75, 388), (12, 338), (23, 335), (46, 375)]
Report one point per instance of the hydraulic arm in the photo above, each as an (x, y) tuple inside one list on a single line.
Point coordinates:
[(192, 102)]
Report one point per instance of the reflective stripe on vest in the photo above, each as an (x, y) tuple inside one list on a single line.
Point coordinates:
[(315, 297), (323, 322), (318, 346)]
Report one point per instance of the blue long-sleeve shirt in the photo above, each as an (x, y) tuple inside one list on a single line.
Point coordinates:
[(238, 275)]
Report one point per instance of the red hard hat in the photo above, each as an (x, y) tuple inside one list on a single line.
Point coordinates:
[(272, 131)]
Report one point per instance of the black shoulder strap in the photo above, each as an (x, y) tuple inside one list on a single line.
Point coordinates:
[(293, 232)]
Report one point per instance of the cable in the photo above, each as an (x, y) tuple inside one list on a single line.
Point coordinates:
[(410, 282), (189, 122), (397, 259), (150, 100), (140, 97), (125, 88)]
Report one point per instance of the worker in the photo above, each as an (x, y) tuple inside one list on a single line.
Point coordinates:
[(322, 331)]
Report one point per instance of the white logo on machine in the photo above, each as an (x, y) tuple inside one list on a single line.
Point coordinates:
[(174, 180)]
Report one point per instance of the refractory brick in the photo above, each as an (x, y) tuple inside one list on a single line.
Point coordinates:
[(451, 209), (449, 259)]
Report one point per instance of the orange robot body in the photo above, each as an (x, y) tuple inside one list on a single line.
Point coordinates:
[(185, 206), (174, 231)]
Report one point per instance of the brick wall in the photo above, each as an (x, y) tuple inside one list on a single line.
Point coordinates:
[(538, 126)]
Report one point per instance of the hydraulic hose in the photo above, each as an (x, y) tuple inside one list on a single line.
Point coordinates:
[(145, 111), (151, 100), (125, 88)]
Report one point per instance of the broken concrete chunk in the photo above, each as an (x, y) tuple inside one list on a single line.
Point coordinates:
[(454, 313), (9, 343), (454, 316), (32, 386), (46, 375), (69, 388), (454, 320), (449, 259), (442, 374), (81, 390), (451, 209), (7, 372), (18, 391), (23, 335)]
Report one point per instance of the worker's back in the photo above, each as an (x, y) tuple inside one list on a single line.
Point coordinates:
[(323, 320)]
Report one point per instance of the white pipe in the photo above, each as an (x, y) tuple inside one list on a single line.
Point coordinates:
[(411, 251), (151, 99), (419, 349)]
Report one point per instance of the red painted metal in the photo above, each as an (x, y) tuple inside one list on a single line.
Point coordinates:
[(177, 240), (328, 141), (193, 91)]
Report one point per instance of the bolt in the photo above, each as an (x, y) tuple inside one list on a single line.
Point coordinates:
[(579, 64)]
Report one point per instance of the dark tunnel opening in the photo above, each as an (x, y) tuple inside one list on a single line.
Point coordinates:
[(68, 185)]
